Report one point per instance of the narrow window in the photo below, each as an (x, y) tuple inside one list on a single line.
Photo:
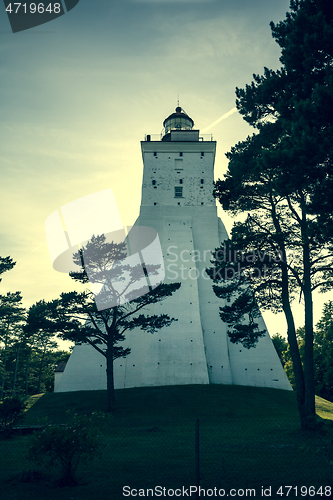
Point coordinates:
[(202, 181), (202, 153), (178, 192), (153, 183), (155, 153), (180, 181), (181, 153)]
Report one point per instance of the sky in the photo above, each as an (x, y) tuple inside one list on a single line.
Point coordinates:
[(78, 94)]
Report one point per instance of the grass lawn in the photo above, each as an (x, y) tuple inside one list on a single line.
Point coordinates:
[(249, 438)]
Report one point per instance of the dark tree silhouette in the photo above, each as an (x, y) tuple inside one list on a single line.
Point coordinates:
[(281, 177), (77, 318)]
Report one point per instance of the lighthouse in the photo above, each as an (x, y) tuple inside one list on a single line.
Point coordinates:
[(177, 201)]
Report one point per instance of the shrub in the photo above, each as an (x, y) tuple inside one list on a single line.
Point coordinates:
[(66, 446), (10, 410)]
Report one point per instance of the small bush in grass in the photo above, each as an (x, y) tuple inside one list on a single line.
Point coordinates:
[(66, 446), (10, 410)]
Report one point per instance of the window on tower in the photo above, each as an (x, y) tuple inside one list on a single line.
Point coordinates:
[(153, 183), (202, 181), (180, 181), (178, 192)]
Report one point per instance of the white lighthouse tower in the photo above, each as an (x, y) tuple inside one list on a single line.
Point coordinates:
[(177, 201)]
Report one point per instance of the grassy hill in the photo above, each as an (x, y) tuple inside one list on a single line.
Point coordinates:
[(249, 438), (192, 401)]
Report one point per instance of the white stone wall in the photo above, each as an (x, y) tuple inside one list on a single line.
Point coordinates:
[(173, 164), (85, 371), (57, 378)]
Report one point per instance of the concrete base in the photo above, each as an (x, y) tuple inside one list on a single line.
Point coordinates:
[(195, 349)]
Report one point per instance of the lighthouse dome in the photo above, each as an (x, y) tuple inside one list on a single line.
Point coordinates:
[(178, 120)]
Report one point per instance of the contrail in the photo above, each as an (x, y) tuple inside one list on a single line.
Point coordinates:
[(223, 117)]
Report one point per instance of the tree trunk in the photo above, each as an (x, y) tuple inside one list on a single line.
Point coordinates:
[(16, 368), (2, 388), (109, 379), (308, 310), (27, 366), (40, 370), (111, 403), (294, 351), (292, 337)]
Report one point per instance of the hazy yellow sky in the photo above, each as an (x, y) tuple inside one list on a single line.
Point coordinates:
[(79, 93)]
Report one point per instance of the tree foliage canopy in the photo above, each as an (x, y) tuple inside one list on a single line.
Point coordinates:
[(27, 345), (6, 263)]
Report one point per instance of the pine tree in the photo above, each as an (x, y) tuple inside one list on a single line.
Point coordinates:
[(277, 176), (77, 317)]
